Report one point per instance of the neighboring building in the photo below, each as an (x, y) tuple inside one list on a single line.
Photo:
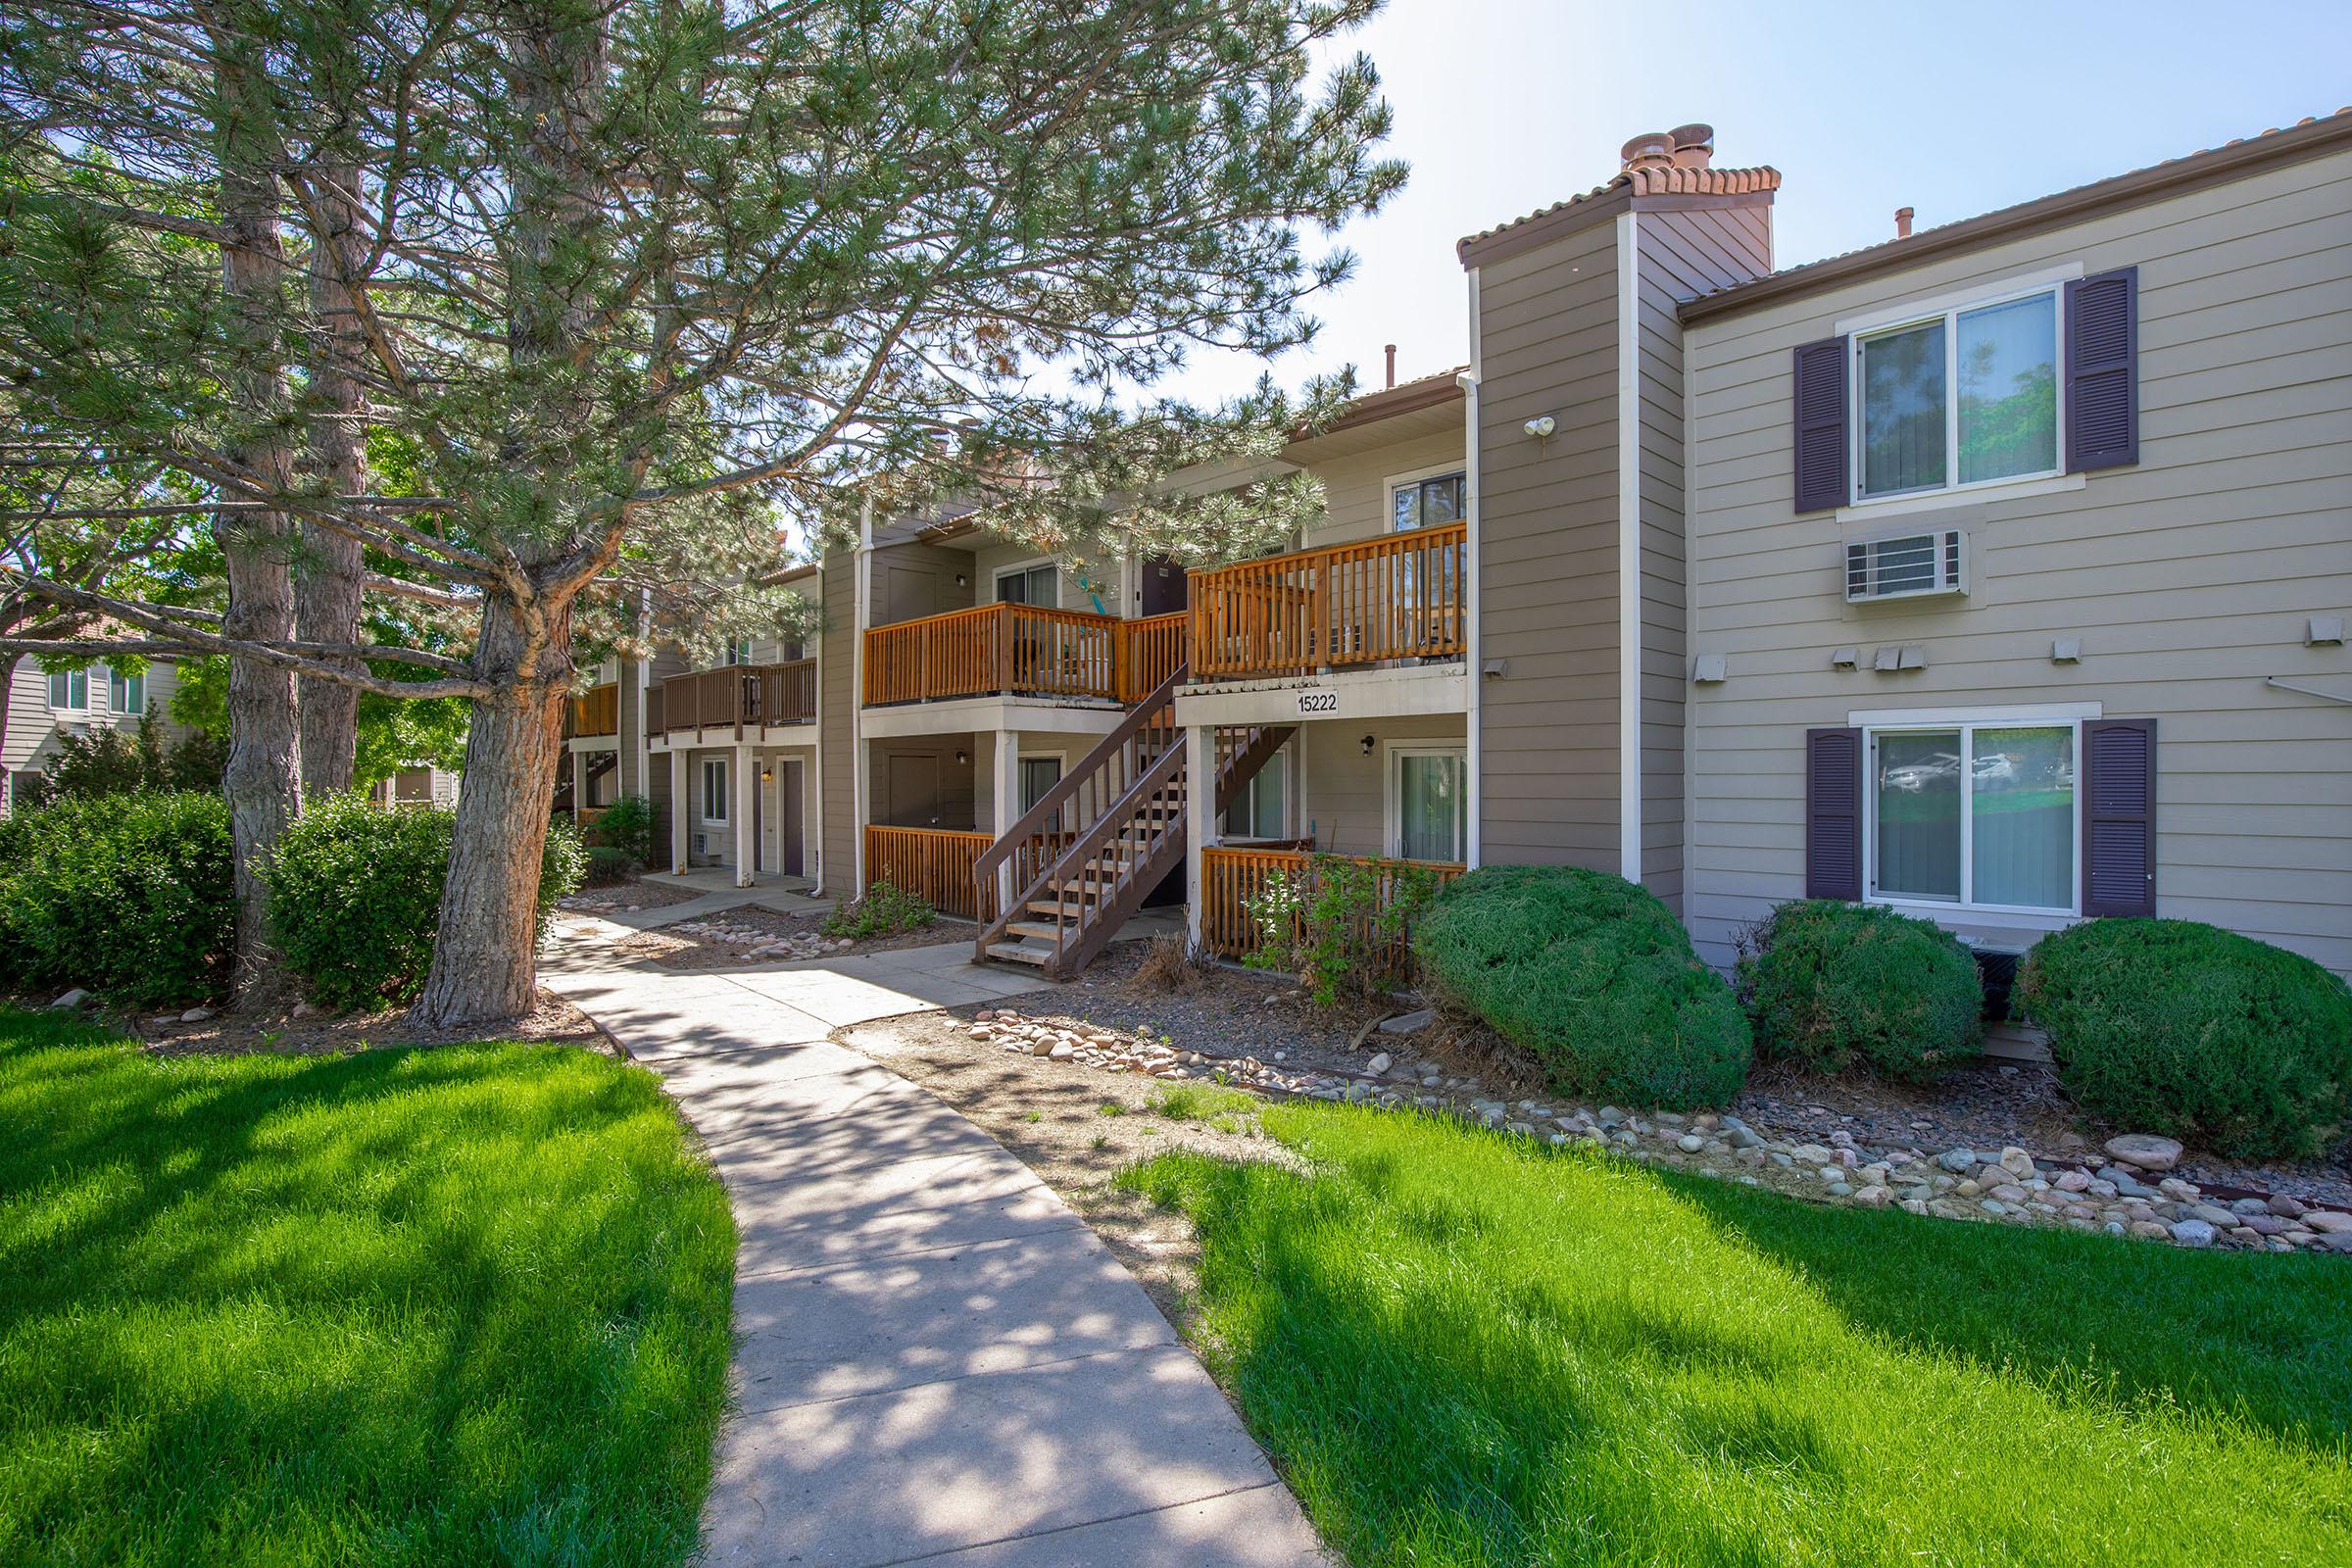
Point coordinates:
[(1998, 572), (416, 784), (41, 705)]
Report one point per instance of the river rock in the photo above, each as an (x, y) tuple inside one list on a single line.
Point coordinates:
[(2145, 1149), (2192, 1233), (2328, 1222)]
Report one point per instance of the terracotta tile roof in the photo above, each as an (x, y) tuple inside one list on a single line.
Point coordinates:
[(2067, 205), (1666, 182)]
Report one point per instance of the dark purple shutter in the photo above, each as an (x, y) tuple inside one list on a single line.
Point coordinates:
[(2102, 370), (1820, 419), (1833, 814), (2119, 816)]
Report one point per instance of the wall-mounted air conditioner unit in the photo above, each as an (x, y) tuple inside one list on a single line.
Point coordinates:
[(1909, 565)]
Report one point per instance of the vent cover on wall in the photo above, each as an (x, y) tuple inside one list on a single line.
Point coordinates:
[(1908, 566)]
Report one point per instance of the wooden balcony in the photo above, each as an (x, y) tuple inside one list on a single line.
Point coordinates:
[(1230, 877), (735, 698), (595, 711), (1400, 596), (1021, 650)]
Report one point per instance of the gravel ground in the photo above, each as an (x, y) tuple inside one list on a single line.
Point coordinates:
[(726, 939), (553, 1020), (627, 898), (1057, 1118)]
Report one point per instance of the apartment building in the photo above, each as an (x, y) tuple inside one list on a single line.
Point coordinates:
[(42, 705), (1997, 572)]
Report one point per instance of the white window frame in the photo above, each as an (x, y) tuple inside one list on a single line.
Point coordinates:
[(1391, 809), (1948, 310), (1287, 754), (716, 766), (69, 676), (735, 654), (1457, 468), (112, 676), (1021, 568), (1932, 722)]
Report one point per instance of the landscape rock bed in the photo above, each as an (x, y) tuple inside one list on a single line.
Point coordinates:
[(749, 934), (1816, 1154), (628, 898)]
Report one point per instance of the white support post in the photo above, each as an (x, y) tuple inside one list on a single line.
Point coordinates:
[(1006, 788), (743, 786), (681, 807), (580, 784), (1200, 819)]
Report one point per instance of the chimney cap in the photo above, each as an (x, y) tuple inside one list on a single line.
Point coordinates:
[(1693, 145), (1653, 149), (1902, 223)]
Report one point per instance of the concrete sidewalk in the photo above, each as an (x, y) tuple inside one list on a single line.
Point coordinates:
[(935, 1359)]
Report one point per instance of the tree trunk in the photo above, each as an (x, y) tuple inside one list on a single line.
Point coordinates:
[(261, 782), (485, 957), (326, 606)]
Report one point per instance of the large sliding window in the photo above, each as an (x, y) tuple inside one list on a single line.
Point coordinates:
[(1427, 803), (1426, 503), (1973, 815), (1964, 398), (1039, 585), (1263, 808)]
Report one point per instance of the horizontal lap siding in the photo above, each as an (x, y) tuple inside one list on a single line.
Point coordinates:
[(837, 696), (1345, 795), (1547, 521), (1355, 488), (2188, 577)]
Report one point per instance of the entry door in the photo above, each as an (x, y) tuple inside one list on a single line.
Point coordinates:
[(793, 809), (911, 789), (1166, 589)]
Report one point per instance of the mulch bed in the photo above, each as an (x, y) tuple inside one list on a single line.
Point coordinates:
[(553, 1022), (628, 898)]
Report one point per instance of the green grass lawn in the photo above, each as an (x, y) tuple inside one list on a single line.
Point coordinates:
[(1463, 1349), (401, 1307)]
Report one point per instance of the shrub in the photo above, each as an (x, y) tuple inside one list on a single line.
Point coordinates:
[(626, 825), (607, 866), (2175, 1027), (354, 895), (1171, 963), (1590, 975), (1835, 985), (115, 761), (132, 896), (886, 910), (1339, 926)]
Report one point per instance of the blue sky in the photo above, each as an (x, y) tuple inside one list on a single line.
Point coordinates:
[(1505, 106)]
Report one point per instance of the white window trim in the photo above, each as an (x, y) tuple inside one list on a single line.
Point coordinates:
[(1397, 481), (1968, 721), (1947, 310), (1391, 812), (1059, 757), (720, 764), (69, 705), (113, 675), (1015, 568)]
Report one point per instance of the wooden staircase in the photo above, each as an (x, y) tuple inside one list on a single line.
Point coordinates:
[(1127, 798)]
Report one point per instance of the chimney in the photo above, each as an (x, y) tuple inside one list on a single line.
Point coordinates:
[(1392, 364), (1653, 149), (1902, 223), (1694, 146)]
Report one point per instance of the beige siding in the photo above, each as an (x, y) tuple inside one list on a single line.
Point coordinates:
[(2188, 577), (29, 741), (1072, 587), (836, 700), (914, 580), (1547, 520), (1355, 488), (1344, 791)]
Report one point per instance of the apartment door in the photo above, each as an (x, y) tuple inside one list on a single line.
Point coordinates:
[(910, 789), (1165, 589), (792, 809)]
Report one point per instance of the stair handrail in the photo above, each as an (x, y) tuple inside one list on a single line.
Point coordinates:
[(1066, 789), (1087, 845)]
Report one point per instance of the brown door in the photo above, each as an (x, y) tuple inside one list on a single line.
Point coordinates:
[(1166, 588), (911, 789), (789, 787)]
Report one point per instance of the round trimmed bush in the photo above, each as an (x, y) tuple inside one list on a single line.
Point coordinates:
[(354, 895), (133, 896), (1837, 985), (2176, 1027), (1594, 977)]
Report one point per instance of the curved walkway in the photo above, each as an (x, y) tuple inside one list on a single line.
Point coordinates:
[(935, 1359)]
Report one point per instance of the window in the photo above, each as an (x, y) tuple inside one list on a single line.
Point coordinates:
[(1426, 503), (1964, 397), (1038, 776), (1262, 809), (715, 789), (1976, 815), (70, 689), (1039, 585), (125, 694), (1428, 803), (738, 651)]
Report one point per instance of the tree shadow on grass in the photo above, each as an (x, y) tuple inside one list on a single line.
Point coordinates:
[(2265, 1338)]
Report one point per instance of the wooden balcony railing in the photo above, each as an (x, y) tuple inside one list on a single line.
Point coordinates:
[(1230, 878), (1151, 650), (1022, 650), (736, 696), (595, 711), (1400, 596), (935, 862)]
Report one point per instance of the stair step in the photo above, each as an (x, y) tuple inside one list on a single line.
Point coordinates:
[(1015, 953), (1042, 929)]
